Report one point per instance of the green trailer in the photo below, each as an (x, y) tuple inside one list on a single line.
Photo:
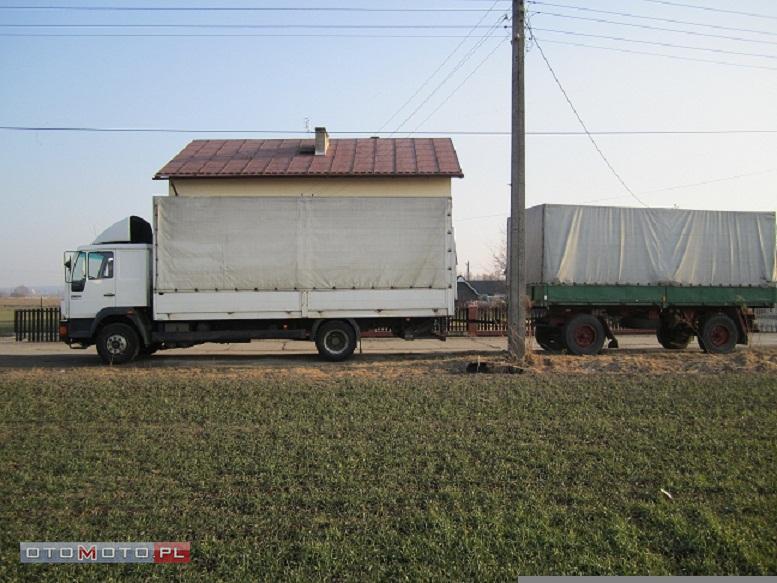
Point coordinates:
[(579, 318), (681, 273)]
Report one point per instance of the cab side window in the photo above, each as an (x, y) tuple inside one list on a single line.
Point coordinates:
[(79, 268), (100, 265)]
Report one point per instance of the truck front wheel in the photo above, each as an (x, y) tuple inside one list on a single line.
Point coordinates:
[(117, 343), (584, 335), (335, 340)]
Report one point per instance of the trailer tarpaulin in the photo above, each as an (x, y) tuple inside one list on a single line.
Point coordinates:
[(568, 244), (281, 243)]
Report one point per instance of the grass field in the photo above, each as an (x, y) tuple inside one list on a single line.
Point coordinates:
[(272, 475)]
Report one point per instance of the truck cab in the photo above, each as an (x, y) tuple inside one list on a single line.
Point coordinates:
[(106, 281)]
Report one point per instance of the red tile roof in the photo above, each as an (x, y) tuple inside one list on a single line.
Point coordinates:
[(344, 157)]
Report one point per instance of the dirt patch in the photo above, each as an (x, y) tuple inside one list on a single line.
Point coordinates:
[(399, 367), (657, 362)]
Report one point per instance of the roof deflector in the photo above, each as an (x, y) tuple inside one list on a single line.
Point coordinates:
[(129, 230)]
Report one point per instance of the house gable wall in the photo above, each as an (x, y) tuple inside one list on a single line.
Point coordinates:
[(433, 186)]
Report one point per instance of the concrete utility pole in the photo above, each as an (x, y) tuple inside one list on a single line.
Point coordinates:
[(516, 307)]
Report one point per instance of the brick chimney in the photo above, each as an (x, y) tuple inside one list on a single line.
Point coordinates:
[(322, 141)]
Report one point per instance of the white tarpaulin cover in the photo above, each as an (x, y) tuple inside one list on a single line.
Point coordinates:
[(248, 243), (609, 245)]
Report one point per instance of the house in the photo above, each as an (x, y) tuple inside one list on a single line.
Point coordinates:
[(480, 290), (490, 289), (325, 167), (465, 292)]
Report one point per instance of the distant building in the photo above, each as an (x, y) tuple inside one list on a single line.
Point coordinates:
[(480, 290), (22, 291)]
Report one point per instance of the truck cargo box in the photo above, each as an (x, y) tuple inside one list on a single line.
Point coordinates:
[(281, 257), (587, 245)]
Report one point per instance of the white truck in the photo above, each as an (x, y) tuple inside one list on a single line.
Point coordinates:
[(233, 269)]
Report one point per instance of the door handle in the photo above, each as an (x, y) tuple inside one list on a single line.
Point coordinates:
[(78, 297), (109, 295)]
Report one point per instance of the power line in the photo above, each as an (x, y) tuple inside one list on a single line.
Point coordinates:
[(227, 35), (653, 18), (257, 26), (444, 62), (711, 9), (659, 28), (467, 56), (460, 85), (238, 9), (647, 192), (711, 181), (657, 43), (664, 55), (495, 133), (583, 125), (690, 185)]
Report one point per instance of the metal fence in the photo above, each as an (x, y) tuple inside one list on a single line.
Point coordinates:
[(482, 319), (42, 324), (37, 324)]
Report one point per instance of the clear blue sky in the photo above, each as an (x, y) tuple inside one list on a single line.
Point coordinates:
[(60, 189)]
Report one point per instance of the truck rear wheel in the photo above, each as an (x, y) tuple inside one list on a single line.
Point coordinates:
[(584, 335), (719, 335), (676, 338), (117, 343), (335, 340)]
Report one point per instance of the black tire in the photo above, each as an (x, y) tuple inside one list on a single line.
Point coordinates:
[(677, 338), (117, 344), (549, 338), (719, 335), (584, 335), (335, 340)]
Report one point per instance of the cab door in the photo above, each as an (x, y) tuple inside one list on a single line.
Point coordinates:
[(92, 286)]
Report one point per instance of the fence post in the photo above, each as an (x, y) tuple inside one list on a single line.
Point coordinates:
[(472, 316)]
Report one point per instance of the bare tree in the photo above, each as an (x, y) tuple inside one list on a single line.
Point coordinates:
[(499, 259)]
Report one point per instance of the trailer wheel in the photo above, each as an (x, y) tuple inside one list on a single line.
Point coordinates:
[(335, 340), (584, 335), (117, 344), (549, 338), (676, 338), (719, 335)]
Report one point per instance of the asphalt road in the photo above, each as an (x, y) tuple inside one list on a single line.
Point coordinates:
[(57, 355)]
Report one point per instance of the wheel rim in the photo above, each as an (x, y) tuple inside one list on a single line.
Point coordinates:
[(116, 344), (720, 336), (585, 336), (336, 341)]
